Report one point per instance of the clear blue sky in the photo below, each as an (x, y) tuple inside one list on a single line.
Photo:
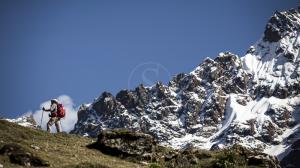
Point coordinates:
[(82, 48)]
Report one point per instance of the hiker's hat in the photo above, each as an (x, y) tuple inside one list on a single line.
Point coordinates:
[(54, 100)]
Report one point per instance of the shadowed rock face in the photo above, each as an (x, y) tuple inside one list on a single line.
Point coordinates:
[(106, 103), (195, 108), (127, 98), (19, 156), (280, 24), (126, 144)]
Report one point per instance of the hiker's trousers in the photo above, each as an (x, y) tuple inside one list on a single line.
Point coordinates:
[(54, 120)]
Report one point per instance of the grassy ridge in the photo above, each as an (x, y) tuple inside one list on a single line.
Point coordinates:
[(60, 150)]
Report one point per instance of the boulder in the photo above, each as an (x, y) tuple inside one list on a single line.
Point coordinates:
[(125, 143), (19, 155), (263, 160)]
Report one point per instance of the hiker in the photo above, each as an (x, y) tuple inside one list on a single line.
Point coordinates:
[(54, 117)]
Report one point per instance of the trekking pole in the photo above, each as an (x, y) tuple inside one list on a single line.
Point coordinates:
[(42, 118)]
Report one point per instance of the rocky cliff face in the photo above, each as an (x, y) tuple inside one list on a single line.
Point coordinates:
[(251, 100)]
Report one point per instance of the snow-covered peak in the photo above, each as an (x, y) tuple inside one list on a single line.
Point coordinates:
[(273, 61), (251, 100), (25, 121)]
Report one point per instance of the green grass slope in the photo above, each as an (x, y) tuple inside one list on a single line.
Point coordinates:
[(60, 150)]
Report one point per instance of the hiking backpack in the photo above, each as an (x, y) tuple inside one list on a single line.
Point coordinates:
[(61, 112)]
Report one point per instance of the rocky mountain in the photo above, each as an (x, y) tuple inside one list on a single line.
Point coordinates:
[(252, 100), (25, 121)]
